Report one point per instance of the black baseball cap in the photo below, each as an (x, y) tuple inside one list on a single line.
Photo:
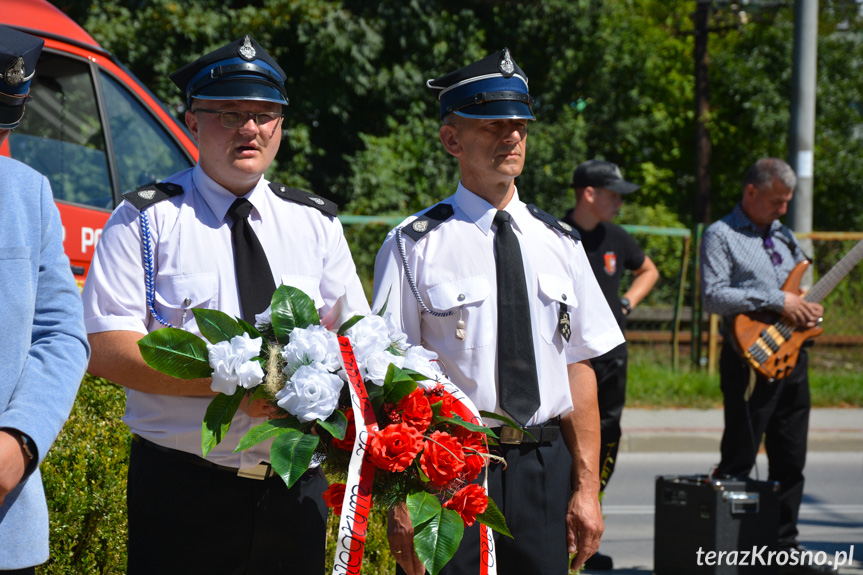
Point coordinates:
[(600, 174)]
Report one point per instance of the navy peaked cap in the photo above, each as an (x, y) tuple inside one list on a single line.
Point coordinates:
[(600, 174), (241, 70), (18, 55), (494, 87)]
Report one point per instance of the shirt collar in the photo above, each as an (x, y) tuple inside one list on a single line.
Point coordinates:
[(481, 213), (218, 198), (740, 221)]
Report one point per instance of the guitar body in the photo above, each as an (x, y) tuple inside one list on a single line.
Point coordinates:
[(771, 346)]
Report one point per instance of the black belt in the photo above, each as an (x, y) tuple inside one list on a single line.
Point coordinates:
[(260, 471), (539, 434)]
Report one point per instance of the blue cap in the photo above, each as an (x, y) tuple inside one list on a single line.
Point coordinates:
[(494, 88), (18, 55), (241, 70)]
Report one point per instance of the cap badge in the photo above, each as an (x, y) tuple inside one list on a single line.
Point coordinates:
[(318, 201), (420, 226), (14, 74), (147, 194), (506, 65), (247, 51)]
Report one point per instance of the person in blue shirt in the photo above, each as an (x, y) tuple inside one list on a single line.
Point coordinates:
[(44, 352)]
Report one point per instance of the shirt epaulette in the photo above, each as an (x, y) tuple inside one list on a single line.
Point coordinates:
[(552, 221), (434, 217), (146, 196), (306, 198)]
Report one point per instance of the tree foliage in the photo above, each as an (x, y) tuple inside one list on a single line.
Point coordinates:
[(613, 79)]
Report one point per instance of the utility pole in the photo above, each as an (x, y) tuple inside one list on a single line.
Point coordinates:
[(801, 141)]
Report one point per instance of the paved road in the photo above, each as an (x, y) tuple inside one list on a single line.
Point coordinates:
[(831, 517)]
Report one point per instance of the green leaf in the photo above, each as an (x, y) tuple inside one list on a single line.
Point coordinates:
[(350, 323), (217, 420), (456, 420), (291, 308), (266, 430), (499, 417), (398, 383), (336, 424), (383, 309), (176, 352), (493, 518), (437, 540), (216, 326), (292, 453), (249, 329), (422, 507)]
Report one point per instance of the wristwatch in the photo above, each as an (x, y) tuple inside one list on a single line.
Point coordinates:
[(26, 443), (627, 307)]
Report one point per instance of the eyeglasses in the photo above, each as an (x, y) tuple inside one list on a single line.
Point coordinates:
[(775, 257), (234, 120)]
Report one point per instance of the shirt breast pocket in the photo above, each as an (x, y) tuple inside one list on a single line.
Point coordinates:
[(178, 295), (555, 292), (467, 299)]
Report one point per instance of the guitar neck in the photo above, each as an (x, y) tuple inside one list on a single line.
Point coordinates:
[(832, 278)]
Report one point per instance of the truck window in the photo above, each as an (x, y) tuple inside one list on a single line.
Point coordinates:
[(61, 135), (143, 151)]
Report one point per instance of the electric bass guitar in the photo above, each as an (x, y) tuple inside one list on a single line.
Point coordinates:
[(769, 343)]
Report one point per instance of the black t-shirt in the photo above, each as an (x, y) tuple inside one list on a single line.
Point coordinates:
[(610, 250)]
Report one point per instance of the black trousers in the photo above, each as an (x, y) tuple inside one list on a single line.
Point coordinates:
[(533, 494), (24, 571), (778, 412), (185, 519), (611, 394)]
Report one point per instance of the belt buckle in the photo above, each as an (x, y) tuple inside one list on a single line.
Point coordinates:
[(260, 472), (511, 435)]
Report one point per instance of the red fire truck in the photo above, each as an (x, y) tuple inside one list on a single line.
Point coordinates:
[(92, 128)]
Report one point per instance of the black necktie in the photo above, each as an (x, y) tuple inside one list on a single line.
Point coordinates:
[(254, 276), (516, 364)]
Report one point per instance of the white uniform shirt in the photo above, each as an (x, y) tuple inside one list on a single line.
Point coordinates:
[(454, 269), (194, 268)]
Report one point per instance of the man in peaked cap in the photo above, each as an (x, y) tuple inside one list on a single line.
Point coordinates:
[(503, 292), (44, 352), (18, 55), (214, 236), (599, 190)]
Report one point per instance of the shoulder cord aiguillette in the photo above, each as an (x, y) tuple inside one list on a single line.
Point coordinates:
[(411, 281), (149, 273)]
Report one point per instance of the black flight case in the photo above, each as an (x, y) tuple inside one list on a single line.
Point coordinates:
[(699, 516)]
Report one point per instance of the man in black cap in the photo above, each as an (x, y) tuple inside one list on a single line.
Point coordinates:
[(599, 190), (504, 294), (217, 236), (44, 351)]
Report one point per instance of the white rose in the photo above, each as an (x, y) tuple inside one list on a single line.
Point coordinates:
[(264, 318), (232, 364), (377, 364), (423, 361), (312, 393), (368, 335), (397, 336), (309, 345)]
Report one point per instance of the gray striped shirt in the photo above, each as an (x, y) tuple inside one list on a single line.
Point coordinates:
[(737, 273)]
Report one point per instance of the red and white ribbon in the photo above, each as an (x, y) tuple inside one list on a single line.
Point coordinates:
[(353, 525)]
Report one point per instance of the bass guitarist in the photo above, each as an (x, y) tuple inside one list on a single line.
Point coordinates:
[(745, 259)]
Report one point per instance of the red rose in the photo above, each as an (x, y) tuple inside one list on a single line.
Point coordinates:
[(469, 501), (474, 446), (334, 496), (439, 394), (416, 410), (442, 459), (394, 447), (350, 434)]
